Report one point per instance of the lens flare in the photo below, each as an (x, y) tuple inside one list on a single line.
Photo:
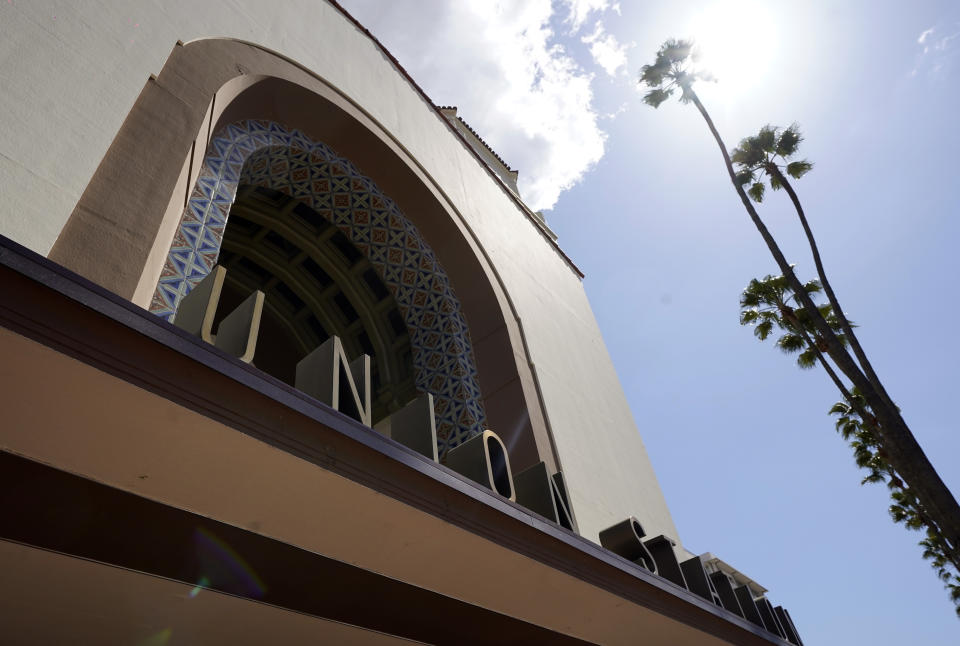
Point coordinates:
[(204, 582), (157, 639), (222, 568)]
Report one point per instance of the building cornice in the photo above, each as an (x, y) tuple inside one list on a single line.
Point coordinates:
[(62, 311)]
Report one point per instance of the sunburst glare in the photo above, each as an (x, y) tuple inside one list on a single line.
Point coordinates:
[(736, 41)]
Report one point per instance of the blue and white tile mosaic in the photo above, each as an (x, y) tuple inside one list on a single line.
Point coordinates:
[(263, 153)]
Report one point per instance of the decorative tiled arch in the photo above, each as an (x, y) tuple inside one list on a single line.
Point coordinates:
[(264, 153)]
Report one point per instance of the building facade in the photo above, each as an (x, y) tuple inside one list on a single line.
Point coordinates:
[(189, 221)]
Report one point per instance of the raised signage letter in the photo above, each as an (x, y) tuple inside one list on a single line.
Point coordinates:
[(413, 426), (326, 375), (544, 495), (483, 458), (623, 539), (237, 334)]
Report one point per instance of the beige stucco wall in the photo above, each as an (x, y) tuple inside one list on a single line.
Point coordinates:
[(70, 72)]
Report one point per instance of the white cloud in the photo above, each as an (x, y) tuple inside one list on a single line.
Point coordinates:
[(938, 56), (499, 63), (623, 107), (606, 51), (942, 44), (578, 11)]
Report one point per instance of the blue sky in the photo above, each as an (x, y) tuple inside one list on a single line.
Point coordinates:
[(739, 436)]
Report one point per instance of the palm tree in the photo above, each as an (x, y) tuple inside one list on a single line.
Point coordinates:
[(769, 302), (671, 71), (861, 432), (768, 153), (766, 303)]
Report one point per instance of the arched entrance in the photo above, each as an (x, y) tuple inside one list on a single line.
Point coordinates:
[(268, 155), (145, 180)]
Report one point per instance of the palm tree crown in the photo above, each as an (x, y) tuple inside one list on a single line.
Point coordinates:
[(671, 70), (770, 302), (766, 153)]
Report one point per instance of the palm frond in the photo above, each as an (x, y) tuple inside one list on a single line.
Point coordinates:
[(850, 429), (789, 141), (743, 177), (657, 96), (653, 75), (898, 513), (685, 81), (767, 139), (875, 476), (738, 155), (675, 50), (748, 153), (790, 343), (840, 408), (812, 286), (749, 299), (798, 169), (756, 191), (778, 283), (807, 359), (762, 330)]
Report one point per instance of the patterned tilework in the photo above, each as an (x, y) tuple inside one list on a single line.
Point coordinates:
[(266, 154)]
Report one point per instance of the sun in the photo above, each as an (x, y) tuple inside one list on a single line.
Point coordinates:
[(735, 40)]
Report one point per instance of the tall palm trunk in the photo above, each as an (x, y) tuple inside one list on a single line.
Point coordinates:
[(847, 366), (774, 170), (904, 453), (924, 477)]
